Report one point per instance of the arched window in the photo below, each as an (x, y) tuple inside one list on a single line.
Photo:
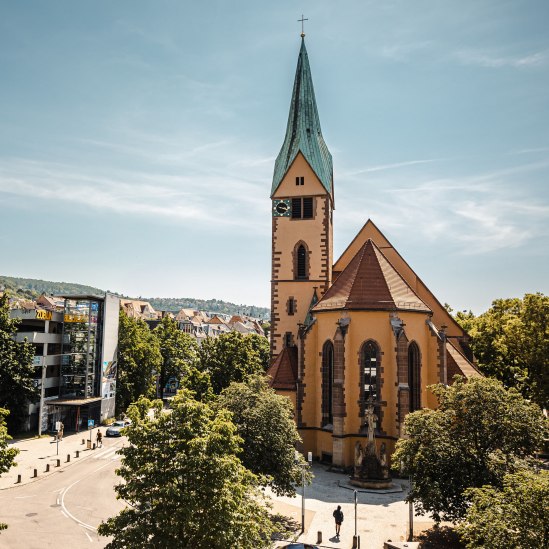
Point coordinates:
[(327, 383), (301, 265), (413, 377), (369, 378)]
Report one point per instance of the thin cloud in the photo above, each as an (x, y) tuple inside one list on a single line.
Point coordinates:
[(383, 167), (484, 59)]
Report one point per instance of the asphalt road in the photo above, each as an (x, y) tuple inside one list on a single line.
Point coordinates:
[(64, 509)]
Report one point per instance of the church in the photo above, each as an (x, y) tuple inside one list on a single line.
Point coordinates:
[(351, 334)]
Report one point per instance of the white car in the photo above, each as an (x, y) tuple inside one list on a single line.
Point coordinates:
[(114, 430)]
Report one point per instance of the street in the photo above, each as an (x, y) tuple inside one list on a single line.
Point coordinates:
[(65, 508)]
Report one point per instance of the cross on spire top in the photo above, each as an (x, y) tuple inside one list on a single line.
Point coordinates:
[(302, 21)]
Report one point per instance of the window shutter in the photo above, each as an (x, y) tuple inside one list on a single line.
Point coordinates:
[(296, 208), (308, 208)]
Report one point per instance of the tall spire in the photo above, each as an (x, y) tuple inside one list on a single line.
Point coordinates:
[(303, 133)]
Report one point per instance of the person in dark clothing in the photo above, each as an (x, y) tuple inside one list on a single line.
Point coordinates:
[(338, 516)]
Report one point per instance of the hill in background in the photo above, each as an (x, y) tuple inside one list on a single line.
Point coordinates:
[(31, 288)]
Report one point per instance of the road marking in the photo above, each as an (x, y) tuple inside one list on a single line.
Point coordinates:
[(89, 537), (59, 490), (23, 497), (83, 524), (63, 513)]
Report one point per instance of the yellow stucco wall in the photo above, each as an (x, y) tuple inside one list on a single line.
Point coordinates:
[(316, 233), (364, 325)]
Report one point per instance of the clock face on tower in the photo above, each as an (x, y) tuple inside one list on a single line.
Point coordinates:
[(281, 208)]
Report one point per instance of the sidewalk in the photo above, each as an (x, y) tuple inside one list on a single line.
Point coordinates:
[(37, 453), (380, 516)]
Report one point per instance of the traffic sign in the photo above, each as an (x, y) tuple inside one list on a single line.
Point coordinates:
[(90, 423)]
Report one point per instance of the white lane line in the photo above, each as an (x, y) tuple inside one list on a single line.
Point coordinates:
[(89, 537), (83, 524), (58, 500), (23, 497), (58, 490), (65, 514)]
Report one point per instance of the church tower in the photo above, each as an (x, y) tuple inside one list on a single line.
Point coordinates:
[(302, 203)]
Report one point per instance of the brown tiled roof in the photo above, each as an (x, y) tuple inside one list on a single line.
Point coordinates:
[(283, 371), (458, 364), (370, 282)]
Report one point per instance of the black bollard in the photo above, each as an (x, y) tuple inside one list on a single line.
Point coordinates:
[(18, 479), (35, 473), (48, 468), (77, 453), (68, 458), (58, 463)]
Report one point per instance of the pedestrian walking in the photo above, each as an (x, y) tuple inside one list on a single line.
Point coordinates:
[(338, 516), (99, 438), (60, 432)]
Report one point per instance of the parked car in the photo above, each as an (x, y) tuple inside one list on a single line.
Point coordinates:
[(114, 430), (299, 546)]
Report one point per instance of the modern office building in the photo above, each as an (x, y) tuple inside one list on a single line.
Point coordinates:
[(76, 341)]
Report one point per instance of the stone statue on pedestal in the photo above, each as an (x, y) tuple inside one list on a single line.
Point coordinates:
[(371, 470)]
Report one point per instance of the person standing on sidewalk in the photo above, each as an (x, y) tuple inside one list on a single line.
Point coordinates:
[(99, 438), (338, 516)]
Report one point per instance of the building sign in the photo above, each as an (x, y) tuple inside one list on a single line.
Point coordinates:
[(43, 315), (75, 318)]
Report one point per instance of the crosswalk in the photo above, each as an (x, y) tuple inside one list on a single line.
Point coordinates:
[(107, 454)]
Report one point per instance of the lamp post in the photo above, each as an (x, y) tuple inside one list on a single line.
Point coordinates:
[(303, 465), (411, 515), (356, 539)]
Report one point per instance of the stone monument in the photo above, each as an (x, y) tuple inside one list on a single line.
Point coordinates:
[(371, 469)]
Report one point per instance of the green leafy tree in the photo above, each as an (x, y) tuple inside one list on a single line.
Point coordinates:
[(7, 455), (184, 483), (480, 432), (139, 359), (261, 345), (265, 422), (17, 373), (516, 516), (179, 351), (231, 357), (511, 343)]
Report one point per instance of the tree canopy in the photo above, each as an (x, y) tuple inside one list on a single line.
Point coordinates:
[(16, 369), (480, 432), (265, 422), (232, 357), (511, 343), (184, 483), (179, 351), (139, 359), (7, 454), (516, 516)]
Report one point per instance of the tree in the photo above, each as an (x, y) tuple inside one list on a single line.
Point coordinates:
[(184, 483), (231, 357), (179, 351), (516, 516), (7, 455), (511, 343), (265, 422), (17, 373), (480, 432), (138, 360)]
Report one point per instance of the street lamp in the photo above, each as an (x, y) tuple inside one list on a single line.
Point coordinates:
[(303, 465)]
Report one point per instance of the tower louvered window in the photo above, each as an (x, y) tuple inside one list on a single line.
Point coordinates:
[(302, 208)]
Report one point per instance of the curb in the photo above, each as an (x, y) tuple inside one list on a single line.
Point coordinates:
[(64, 465)]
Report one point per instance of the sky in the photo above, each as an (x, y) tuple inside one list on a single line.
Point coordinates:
[(138, 139)]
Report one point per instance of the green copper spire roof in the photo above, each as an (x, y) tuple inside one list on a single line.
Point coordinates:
[(303, 133)]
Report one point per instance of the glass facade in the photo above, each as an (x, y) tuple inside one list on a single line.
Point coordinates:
[(81, 358)]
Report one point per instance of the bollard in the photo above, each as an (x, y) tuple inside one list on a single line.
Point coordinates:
[(58, 463), (35, 473), (48, 468), (77, 453), (94, 445), (319, 537), (18, 479), (68, 458), (83, 441)]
